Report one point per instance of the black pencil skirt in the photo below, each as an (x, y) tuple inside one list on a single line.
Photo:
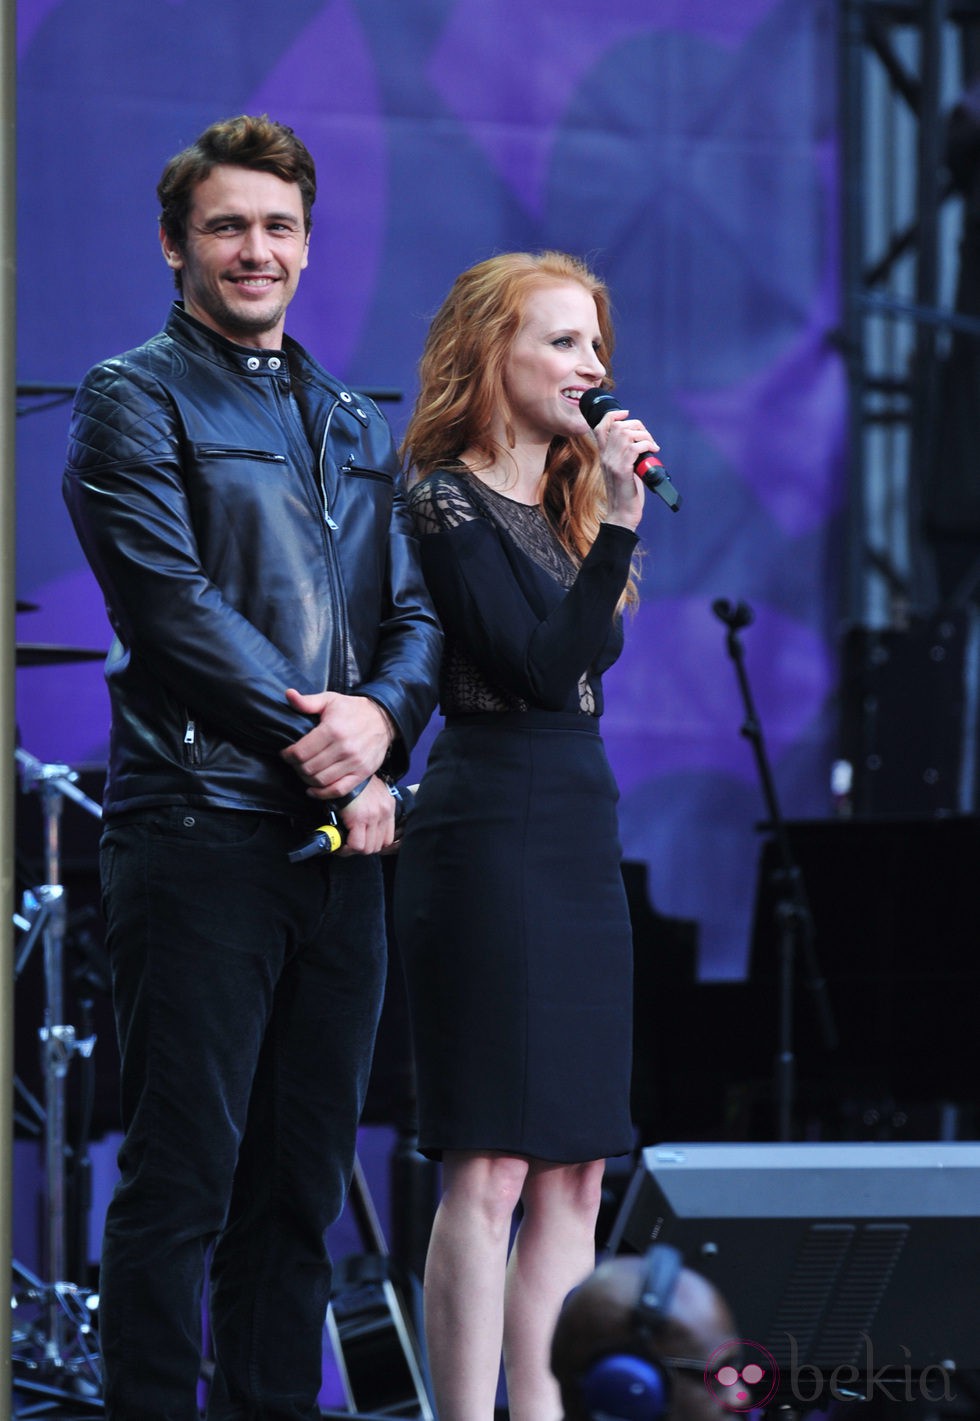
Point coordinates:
[(514, 932)]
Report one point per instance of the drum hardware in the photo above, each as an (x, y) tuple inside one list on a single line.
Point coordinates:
[(42, 653), (77, 1376), (51, 395), (54, 1351), (374, 1342), (34, 1123)]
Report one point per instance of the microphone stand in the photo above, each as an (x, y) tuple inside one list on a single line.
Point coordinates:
[(795, 930)]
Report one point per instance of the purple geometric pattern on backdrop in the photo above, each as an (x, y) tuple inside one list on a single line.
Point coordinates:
[(30, 15), (782, 432), (335, 106), (480, 67), (646, 690), (782, 429)]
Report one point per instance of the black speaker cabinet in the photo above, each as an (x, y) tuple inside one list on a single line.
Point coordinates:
[(896, 908), (911, 714), (856, 1256)]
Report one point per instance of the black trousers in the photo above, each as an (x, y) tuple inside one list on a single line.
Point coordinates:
[(247, 991)]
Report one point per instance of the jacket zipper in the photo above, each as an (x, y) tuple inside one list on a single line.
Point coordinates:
[(190, 739), (323, 483), (340, 607)]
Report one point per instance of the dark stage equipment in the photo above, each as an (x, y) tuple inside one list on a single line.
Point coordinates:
[(850, 1268), (910, 715), (895, 905), (665, 954)]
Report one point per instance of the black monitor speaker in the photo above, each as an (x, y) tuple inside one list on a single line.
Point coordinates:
[(851, 1263)]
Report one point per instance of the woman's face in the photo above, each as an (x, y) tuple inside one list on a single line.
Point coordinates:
[(554, 358)]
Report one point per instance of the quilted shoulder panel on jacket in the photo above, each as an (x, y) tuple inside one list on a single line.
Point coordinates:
[(122, 412)]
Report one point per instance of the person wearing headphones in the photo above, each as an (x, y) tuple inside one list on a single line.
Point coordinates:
[(646, 1339)]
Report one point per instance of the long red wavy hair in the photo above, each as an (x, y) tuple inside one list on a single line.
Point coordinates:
[(461, 387)]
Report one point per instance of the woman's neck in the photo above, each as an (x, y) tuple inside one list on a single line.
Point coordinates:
[(519, 473)]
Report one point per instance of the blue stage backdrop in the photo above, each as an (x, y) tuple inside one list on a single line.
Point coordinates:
[(685, 147)]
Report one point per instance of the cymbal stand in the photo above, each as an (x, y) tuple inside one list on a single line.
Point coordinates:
[(62, 1358)]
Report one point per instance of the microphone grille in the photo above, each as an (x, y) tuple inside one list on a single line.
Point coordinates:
[(594, 404)]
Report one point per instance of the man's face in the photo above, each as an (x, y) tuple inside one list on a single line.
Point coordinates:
[(245, 248)]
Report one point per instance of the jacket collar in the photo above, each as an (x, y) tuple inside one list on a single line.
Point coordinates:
[(293, 359)]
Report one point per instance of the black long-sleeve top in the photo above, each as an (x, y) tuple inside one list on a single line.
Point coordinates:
[(526, 625)]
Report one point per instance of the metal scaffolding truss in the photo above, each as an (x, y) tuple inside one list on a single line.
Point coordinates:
[(903, 67)]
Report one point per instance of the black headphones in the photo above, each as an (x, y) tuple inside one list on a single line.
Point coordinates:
[(631, 1385)]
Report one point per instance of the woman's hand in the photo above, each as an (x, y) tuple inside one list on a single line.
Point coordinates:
[(621, 441)]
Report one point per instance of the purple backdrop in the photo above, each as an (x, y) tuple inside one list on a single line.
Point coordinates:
[(685, 147)]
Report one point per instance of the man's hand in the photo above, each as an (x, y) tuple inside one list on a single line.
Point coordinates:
[(369, 820), (348, 743)]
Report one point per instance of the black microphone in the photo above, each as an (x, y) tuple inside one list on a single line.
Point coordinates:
[(595, 404), (329, 836)]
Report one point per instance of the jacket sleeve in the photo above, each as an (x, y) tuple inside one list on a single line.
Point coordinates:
[(128, 502), (404, 675), (536, 653)]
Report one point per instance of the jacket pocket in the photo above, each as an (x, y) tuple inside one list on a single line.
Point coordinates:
[(360, 472), (233, 451)]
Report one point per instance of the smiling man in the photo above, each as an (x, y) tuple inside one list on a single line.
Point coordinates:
[(238, 255), (275, 649)]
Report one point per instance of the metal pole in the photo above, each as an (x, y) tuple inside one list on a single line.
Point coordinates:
[(851, 45), (7, 604), (56, 1055), (925, 405)]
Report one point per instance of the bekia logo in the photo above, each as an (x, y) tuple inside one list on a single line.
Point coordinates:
[(752, 1384), (743, 1388)]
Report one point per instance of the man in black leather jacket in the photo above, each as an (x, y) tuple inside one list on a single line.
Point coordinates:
[(275, 649)]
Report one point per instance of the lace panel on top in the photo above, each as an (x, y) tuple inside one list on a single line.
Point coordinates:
[(441, 504)]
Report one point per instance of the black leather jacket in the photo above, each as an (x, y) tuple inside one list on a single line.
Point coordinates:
[(236, 562)]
